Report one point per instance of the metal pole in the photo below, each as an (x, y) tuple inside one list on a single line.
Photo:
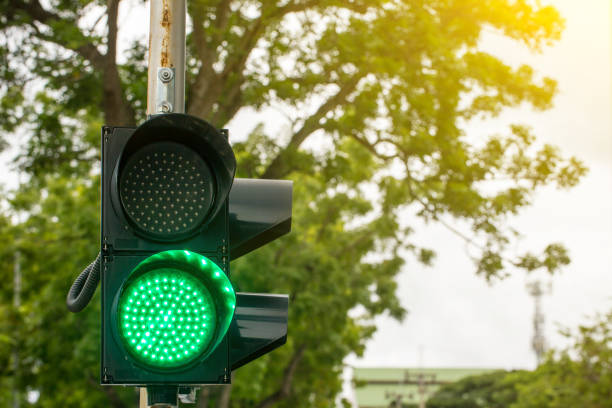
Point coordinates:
[(166, 86), (142, 400)]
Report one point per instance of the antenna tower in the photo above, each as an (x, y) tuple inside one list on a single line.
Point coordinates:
[(538, 341)]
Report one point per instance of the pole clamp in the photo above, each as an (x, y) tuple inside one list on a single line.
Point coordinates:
[(164, 97)]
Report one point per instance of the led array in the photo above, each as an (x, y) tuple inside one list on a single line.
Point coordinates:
[(166, 189), (167, 317)]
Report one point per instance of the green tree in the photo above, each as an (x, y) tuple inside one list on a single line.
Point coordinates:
[(578, 376), (492, 390), (382, 88)]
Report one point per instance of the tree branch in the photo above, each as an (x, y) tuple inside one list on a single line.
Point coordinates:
[(207, 56), (434, 214), (209, 86), (113, 12), (257, 29), (37, 13), (371, 147), (116, 109), (289, 373), (279, 167), (231, 103), (222, 13), (354, 244)]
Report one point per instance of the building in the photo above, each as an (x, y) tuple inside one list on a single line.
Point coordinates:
[(403, 387)]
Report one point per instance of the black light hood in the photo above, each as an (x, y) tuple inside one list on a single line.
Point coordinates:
[(197, 134)]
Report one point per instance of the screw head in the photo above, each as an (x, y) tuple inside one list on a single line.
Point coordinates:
[(165, 74), (164, 107)]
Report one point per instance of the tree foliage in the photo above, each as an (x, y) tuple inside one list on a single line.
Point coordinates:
[(377, 94), (493, 390), (578, 376)]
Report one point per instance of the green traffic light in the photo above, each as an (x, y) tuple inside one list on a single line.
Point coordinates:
[(167, 317), (175, 308)]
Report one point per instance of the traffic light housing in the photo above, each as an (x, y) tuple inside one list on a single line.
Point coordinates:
[(172, 219)]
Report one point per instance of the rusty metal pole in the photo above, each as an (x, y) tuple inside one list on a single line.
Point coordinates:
[(166, 86)]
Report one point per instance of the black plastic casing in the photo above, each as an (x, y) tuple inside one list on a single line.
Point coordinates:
[(247, 214), (124, 247)]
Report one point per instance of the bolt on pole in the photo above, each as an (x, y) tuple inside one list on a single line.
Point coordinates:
[(166, 85)]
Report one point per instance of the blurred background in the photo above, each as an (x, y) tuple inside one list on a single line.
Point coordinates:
[(453, 187), (483, 316)]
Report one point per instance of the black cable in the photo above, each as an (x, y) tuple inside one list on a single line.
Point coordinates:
[(83, 287)]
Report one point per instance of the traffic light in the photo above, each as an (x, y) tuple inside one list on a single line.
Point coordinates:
[(173, 218)]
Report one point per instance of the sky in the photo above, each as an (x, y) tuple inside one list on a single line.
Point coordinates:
[(455, 318)]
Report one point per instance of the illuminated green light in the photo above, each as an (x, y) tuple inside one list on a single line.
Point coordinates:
[(164, 326), (207, 289)]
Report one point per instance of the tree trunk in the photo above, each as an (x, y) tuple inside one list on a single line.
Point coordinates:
[(289, 373), (117, 112)]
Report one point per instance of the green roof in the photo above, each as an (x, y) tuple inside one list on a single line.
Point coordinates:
[(378, 387)]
